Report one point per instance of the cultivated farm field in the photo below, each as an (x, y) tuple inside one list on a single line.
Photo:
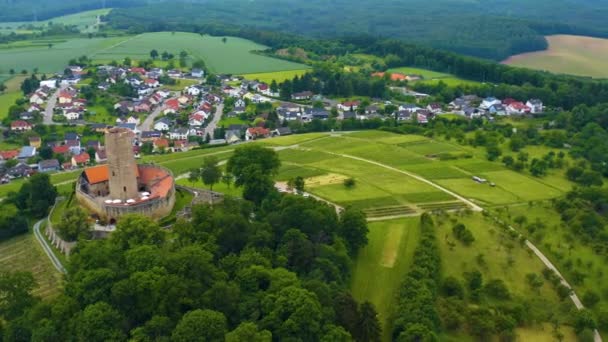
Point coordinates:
[(278, 76), (433, 77), (575, 55), (235, 56), (85, 21)]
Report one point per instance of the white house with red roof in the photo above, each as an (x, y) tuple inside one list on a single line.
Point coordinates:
[(171, 106), (517, 107), (65, 97), (348, 105), (20, 126), (254, 133), (150, 82), (197, 119)]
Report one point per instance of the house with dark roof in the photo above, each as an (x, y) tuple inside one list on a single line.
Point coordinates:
[(20, 170), (50, 165), (281, 131)]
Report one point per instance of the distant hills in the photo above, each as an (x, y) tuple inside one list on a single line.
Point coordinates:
[(493, 29)]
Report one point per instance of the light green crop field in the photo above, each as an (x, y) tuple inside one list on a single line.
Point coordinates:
[(23, 253), (10, 95), (575, 55), (37, 54), (235, 56), (85, 21), (279, 76), (381, 266)]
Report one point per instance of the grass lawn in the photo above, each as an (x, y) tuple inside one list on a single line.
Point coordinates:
[(233, 57), (24, 253), (220, 187), (292, 139), (180, 84), (381, 266), (6, 101), (100, 114), (226, 122), (278, 76), (427, 74)]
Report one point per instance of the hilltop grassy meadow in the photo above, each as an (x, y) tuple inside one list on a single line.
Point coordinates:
[(235, 56), (575, 55)]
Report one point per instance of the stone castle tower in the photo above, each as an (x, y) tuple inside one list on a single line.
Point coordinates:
[(121, 162)]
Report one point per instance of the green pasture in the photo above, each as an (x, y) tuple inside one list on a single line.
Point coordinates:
[(382, 265), (38, 54), (278, 76), (289, 171), (292, 139), (24, 253), (560, 244), (498, 256), (427, 74), (85, 21), (235, 56)]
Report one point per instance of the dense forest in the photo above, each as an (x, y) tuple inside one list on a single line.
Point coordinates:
[(490, 29), (271, 267)]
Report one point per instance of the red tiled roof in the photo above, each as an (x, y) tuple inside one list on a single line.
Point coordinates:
[(82, 158), (158, 181), (258, 131), (172, 103), (63, 149), (20, 124), (161, 142), (97, 174), (9, 154)]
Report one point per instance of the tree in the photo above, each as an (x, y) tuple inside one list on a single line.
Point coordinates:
[(154, 54), (535, 281), (224, 40), (297, 183), (16, 293), (136, 230), (244, 157), (349, 183), (210, 172), (200, 325), (127, 61), (353, 229), (583, 319), (369, 325), (590, 299), (474, 280), (463, 234), (98, 323), (35, 196), (248, 332), (194, 175), (46, 152), (74, 225)]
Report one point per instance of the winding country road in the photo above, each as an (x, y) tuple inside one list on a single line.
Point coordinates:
[(47, 248), (210, 129)]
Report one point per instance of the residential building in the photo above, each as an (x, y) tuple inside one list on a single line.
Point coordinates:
[(20, 126), (35, 142), (26, 152), (81, 159), (254, 133), (48, 165), (162, 125), (536, 106)]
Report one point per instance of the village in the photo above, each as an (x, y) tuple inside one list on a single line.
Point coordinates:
[(221, 110)]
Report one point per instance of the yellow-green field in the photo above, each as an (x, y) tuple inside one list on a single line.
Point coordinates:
[(279, 76), (85, 21), (10, 95), (23, 253), (575, 55)]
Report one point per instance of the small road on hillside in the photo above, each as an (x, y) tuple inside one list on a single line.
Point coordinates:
[(149, 121), (50, 106), (47, 248)]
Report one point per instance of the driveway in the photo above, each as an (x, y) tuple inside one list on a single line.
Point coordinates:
[(149, 121), (219, 111)]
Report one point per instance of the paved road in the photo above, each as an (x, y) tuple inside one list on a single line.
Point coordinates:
[(149, 121), (47, 249), (219, 111), (50, 106)]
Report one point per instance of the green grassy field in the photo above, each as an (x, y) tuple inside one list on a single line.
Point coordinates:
[(279, 76), (381, 266), (85, 21), (576, 55), (434, 77), (234, 57), (11, 94), (23, 253)]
